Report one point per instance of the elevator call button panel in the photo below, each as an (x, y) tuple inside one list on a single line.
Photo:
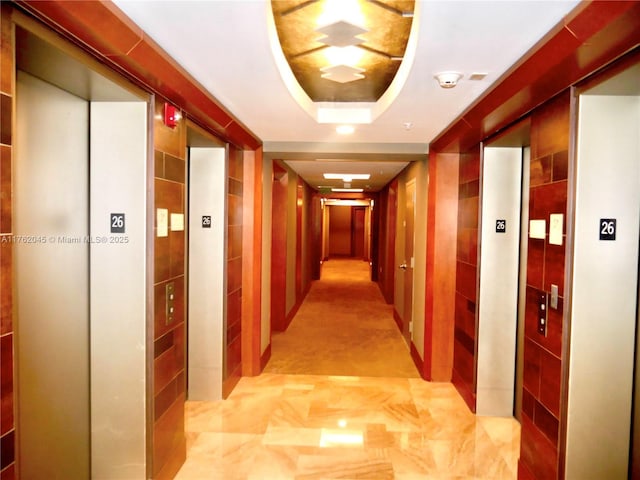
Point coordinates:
[(542, 313)]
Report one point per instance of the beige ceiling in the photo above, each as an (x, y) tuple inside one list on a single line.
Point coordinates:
[(227, 46)]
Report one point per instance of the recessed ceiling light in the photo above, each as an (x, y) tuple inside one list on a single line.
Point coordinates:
[(345, 176), (348, 190), (345, 129)]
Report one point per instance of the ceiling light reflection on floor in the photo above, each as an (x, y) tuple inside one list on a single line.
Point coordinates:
[(341, 438), (345, 129)]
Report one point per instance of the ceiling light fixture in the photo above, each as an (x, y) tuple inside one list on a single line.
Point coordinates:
[(448, 79), (345, 129), (349, 55), (348, 190), (334, 11), (342, 73), (340, 24), (341, 34), (347, 176)]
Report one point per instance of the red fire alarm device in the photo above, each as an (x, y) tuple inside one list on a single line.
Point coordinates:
[(170, 116)]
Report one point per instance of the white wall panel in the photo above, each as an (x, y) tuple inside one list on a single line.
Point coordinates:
[(499, 269), (604, 289), (207, 280), (118, 184)]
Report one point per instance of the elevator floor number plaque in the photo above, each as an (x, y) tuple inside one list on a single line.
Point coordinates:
[(607, 229), (117, 223)]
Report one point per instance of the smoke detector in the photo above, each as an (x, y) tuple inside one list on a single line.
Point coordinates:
[(448, 79)]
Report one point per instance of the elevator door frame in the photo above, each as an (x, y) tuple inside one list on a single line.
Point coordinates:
[(518, 136), (206, 265), (500, 270), (119, 265), (598, 375)]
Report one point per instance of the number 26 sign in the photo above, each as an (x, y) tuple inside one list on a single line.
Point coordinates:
[(117, 222), (607, 229)]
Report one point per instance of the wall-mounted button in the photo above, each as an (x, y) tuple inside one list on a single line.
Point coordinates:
[(542, 314), (169, 307)]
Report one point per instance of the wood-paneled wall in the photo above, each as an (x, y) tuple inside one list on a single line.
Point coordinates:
[(545, 266), (592, 36), (295, 243), (440, 300), (233, 369), (279, 248), (7, 425), (387, 213), (111, 40), (340, 231), (466, 330), (169, 347)]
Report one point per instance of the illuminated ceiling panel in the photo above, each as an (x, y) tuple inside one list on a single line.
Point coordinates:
[(343, 50)]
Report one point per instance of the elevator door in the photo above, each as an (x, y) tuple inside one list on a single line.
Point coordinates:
[(603, 284), (51, 261), (80, 280), (499, 280), (207, 281)]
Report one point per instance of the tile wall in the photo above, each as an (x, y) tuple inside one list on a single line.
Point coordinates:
[(465, 331), (233, 368), (545, 266), (7, 425), (167, 440), (169, 348)]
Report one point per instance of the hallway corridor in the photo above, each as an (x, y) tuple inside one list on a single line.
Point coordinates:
[(341, 398), (343, 327)]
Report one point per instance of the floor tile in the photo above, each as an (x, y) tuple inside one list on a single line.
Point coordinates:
[(298, 424)]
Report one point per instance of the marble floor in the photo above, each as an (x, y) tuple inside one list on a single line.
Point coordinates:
[(347, 405), (278, 426)]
